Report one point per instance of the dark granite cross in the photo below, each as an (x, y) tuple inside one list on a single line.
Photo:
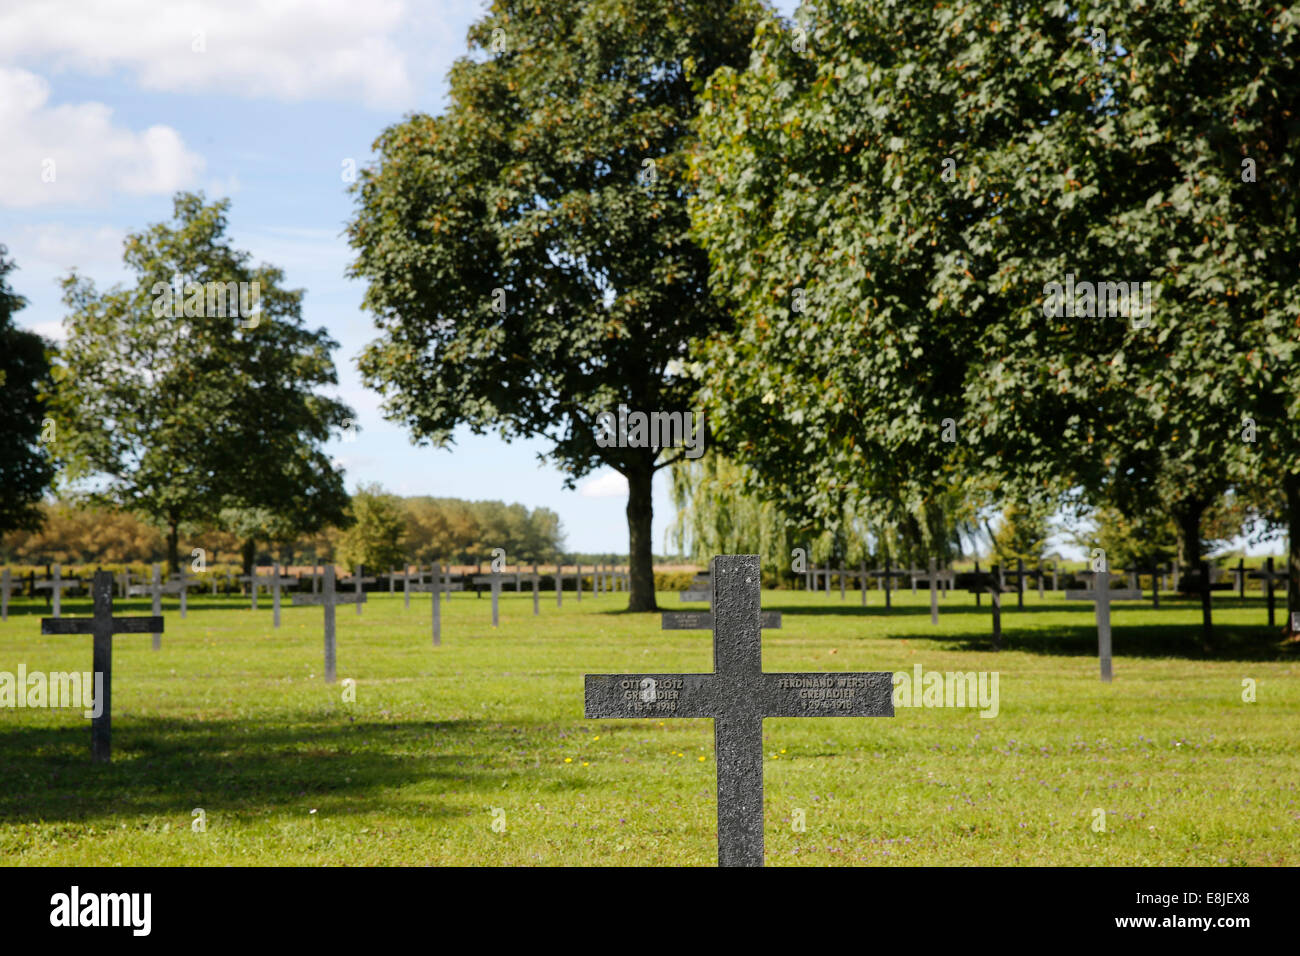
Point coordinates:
[(329, 598), (1019, 574), (993, 584), (1268, 576), (102, 627), (737, 696), (886, 579)]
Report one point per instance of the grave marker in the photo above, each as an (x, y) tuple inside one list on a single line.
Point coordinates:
[(6, 588), (1268, 576), (180, 586), (102, 626), (1102, 595), (275, 583), (56, 586), (738, 695), (328, 598), (359, 580), (494, 579), (991, 583)]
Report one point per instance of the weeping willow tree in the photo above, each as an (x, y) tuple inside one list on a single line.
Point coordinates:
[(716, 514), (721, 510)]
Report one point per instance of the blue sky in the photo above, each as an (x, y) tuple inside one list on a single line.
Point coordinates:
[(261, 101)]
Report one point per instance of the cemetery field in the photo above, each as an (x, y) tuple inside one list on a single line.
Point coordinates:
[(233, 717)]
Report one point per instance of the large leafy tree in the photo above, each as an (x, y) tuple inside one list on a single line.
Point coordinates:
[(919, 175), (26, 469), (526, 251), (184, 418)]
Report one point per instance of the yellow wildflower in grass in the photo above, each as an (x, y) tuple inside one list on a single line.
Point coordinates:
[(701, 760), (568, 760)]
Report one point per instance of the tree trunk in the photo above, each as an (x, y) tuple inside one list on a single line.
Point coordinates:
[(1188, 518), (250, 555), (640, 514), (173, 544), (1291, 485)]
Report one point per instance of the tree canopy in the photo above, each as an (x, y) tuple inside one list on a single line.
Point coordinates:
[(526, 251)]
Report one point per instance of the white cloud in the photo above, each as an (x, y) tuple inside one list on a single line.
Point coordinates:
[(73, 152), (609, 484), (62, 247), (285, 49)]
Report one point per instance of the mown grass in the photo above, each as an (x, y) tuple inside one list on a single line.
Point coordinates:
[(233, 717)]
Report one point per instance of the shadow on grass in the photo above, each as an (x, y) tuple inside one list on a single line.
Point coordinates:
[(1231, 643), (171, 766)]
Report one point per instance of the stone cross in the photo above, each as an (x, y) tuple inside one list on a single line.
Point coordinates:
[(6, 588), (993, 584), (359, 580), (181, 587), (1268, 575), (886, 578), (56, 586), (328, 598), (406, 577), (1240, 572), (102, 627), (493, 579), (934, 592), (738, 695), (537, 583), (441, 588), (275, 583), (577, 580), (1019, 574), (253, 581), (559, 584), (1102, 594), (155, 594)]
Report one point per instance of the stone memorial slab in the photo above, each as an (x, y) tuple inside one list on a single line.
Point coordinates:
[(737, 696), (695, 595), (102, 626)]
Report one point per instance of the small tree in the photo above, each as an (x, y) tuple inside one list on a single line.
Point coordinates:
[(192, 392), (376, 537)]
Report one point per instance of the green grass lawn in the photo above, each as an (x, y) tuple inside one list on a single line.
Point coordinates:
[(233, 717)]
